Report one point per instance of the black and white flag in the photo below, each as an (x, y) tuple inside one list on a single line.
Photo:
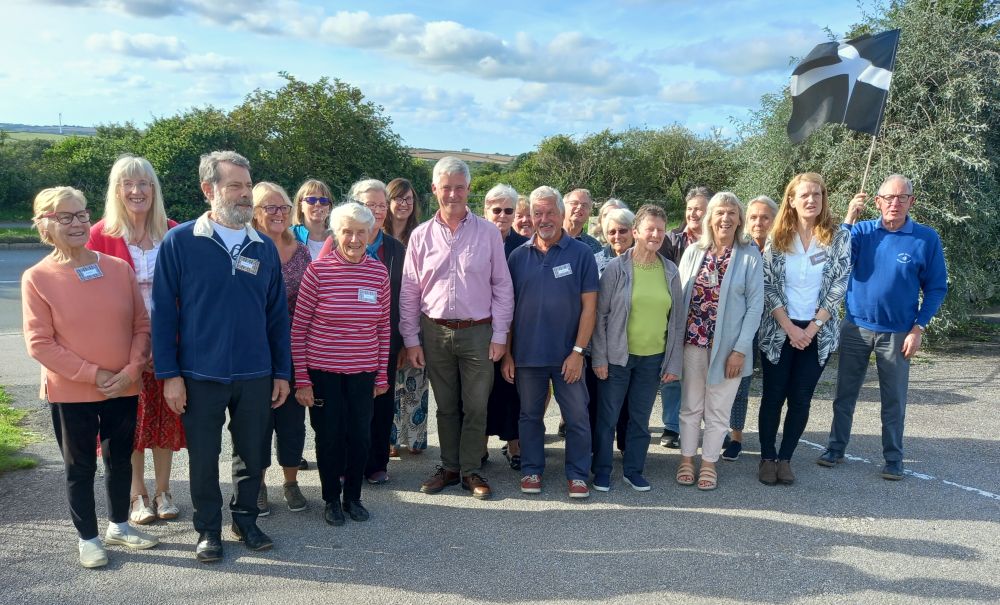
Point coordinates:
[(843, 82)]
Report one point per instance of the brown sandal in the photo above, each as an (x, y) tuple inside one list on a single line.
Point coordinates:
[(685, 473), (708, 479)]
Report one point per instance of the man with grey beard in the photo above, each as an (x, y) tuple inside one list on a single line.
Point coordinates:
[(221, 342)]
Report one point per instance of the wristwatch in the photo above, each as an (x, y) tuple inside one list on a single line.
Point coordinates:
[(920, 327), (577, 349), (819, 322)]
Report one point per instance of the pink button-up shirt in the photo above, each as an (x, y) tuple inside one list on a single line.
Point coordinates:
[(460, 275)]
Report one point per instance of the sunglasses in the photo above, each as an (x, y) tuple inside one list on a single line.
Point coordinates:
[(620, 231), (315, 199), (497, 211)]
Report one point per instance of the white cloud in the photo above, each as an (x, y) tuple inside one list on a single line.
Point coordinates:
[(528, 97), (146, 46), (745, 56), (208, 62), (734, 91)]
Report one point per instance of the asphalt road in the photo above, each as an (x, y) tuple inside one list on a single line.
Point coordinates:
[(12, 265), (840, 535)]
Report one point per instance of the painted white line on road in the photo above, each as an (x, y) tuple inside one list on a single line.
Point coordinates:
[(925, 477), (10, 281)]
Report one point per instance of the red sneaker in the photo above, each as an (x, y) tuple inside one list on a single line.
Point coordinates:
[(531, 484), (577, 488)]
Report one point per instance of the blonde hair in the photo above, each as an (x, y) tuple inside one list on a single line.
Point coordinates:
[(310, 186), (117, 222), (260, 191), (783, 231), (722, 198), (47, 201)]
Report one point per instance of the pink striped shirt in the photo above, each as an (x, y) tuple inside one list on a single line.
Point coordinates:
[(341, 321)]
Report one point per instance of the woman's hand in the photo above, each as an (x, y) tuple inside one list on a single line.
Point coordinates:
[(304, 395), (668, 378), (115, 386), (381, 390), (734, 364), (601, 372), (402, 361), (507, 368), (798, 337)]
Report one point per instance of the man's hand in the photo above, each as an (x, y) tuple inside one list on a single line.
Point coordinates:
[(415, 355), (116, 385), (497, 351), (572, 368), (304, 395), (507, 368), (734, 364), (601, 372), (279, 392), (668, 378), (175, 394), (856, 208), (911, 344), (381, 390)]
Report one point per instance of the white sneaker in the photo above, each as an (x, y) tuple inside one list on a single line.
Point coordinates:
[(165, 507), (92, 553), (140, 512), (131, 537)]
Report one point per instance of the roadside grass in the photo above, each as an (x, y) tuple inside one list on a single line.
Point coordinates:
[(13, 437), (18, 235), (27, 136)]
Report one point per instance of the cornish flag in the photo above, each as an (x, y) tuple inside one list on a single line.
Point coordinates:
[(843, 82)]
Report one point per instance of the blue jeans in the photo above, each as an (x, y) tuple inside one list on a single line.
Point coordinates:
[(637, 380), (670, 394), (856, 345), (533, 387)]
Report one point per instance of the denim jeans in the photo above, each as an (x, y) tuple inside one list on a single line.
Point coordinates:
[(670, 395), (637, 380), (533, 387)]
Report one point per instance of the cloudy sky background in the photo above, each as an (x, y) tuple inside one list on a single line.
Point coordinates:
[(492, 77)]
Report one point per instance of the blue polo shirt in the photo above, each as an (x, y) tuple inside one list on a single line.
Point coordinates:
[(547, 305), (890, 271)]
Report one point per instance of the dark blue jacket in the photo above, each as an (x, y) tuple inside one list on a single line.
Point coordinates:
[(215, 317)]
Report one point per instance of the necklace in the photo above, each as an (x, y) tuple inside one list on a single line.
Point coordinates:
[(646, 266)]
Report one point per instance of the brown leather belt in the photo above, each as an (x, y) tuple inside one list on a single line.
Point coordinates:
[(460, 324)]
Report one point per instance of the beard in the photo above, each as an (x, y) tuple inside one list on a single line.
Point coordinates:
[(228, 213)]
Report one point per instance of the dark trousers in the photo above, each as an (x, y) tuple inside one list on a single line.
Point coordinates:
[(636, 383), (383, 410), (77, 426), (343, 430), (621, 426), (533, 387), (793, 380), (249, 405), (503, 411), (289, 422)]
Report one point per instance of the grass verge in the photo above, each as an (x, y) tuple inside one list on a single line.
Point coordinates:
[(12, 437), (18, 235)]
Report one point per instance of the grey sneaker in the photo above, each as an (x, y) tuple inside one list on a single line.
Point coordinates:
[(131, 537), (293, 497), (263, 507)]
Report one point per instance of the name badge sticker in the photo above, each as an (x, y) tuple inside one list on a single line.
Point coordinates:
[(367, 295), (562, 270), (89, 272), (248, 265), (819, 257)]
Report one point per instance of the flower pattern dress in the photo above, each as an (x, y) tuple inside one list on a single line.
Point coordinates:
[(704, 307)]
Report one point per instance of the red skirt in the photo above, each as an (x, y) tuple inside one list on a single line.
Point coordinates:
[(155, 424)]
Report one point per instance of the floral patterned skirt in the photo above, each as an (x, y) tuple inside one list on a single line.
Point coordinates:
[(155, 424), (409, 424)]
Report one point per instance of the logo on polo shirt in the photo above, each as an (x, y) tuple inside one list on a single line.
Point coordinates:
[(903, 258)]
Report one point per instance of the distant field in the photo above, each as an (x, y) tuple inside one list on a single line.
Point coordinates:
[(27, 136), (466, 156)]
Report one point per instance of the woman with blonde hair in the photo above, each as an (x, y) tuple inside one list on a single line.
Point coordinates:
[(133, 226), (807, 262), (85, 322), (311, 215), (271, 213)]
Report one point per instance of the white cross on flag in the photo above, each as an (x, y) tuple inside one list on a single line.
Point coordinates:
[(843, 82)]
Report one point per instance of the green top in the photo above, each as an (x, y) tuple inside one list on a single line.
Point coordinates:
[(650, 306)]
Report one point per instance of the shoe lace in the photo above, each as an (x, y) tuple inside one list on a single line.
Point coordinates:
[(532, 479), (578, 483)]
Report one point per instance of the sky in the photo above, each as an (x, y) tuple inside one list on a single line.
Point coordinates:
[(494, 77)]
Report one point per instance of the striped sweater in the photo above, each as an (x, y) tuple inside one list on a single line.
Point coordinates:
[(341, 321)]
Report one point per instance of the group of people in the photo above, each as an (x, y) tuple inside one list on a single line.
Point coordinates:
[(266, 306)]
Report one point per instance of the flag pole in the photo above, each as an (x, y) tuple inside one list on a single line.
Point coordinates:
[(871, 150)]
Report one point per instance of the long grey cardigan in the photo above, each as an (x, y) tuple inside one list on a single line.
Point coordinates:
[(614, 302), (741, 304)]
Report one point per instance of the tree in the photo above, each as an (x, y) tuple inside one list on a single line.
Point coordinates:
[(20, 174), (84, 162)]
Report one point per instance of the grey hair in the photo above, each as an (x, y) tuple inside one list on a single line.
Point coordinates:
[(760, 199), (722, 198), (898, 177), (581, 191), (366, 185), (501, 191), (449, 164), (622, 216), (208, 168), (610, 204), (353, 211), (694, 192), (546, 193)]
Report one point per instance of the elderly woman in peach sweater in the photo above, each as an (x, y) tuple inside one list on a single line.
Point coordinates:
[(92, 343)]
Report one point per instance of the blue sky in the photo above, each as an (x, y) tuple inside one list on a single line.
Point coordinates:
[(493, 77)]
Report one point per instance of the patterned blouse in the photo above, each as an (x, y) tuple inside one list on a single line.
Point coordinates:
[(292, 273), (832, 291), (705, 299)]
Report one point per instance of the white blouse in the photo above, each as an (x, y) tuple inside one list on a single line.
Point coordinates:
[(803, 278), (315, 247), (144, 262)]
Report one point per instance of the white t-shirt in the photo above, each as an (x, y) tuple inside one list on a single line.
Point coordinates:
[(233, 238), (803, 278), (314, 247)]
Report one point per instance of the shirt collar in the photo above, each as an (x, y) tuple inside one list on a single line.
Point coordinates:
[(372, 248), (562, 243)]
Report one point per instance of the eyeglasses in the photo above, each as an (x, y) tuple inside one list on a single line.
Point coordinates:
[(620, 231), (496, 211), (142, 185), (66, 218), (377, 207), (403, 201), (315, 199), (285, 209), (903, 198)]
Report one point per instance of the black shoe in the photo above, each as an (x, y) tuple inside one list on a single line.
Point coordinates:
[(893, 471), (333, 514), (252, 536), (732, 451), (355, 511), (670, 439), (303, 465), (562, 430), (209, 546), (830, 458)]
